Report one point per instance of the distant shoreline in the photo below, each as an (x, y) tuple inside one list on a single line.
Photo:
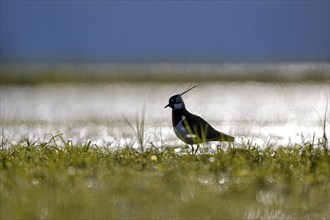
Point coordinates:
[(163, 72)]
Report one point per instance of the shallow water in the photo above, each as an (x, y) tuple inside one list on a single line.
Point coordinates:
[(259, 112)]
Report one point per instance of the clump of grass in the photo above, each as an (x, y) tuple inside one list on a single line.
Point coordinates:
[(323, 123), (138, 129), (48, 181)]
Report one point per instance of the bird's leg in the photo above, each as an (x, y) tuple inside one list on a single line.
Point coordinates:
[(192, 149), (197, 148)]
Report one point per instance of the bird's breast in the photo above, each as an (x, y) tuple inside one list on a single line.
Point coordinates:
[(180, 129), (182, 132)]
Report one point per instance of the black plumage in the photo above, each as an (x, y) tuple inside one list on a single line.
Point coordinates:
[(191, 128)]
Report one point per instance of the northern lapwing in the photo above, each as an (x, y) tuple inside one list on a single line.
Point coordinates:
[(191, 128)]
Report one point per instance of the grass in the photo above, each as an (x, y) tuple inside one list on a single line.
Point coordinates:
[(47, 181), (138, 129)]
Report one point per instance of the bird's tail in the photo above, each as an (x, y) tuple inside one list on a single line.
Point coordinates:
[(225, 137)]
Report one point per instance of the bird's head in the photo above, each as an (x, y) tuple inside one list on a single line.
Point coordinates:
[(176, 102)]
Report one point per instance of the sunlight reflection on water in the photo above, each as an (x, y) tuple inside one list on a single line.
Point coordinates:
[(261, 112)]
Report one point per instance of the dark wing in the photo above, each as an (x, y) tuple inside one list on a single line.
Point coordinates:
[(203, 129)]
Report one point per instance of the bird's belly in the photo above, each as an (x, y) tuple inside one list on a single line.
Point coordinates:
[(182, 133)]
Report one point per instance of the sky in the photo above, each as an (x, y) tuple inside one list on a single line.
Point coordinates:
[(165, 30)]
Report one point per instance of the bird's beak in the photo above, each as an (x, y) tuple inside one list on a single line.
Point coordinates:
[(167, 105)]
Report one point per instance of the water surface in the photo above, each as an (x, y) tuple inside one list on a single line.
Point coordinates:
[(279, 113)]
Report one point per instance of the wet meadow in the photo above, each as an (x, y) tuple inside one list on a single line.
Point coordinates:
[(95, 142)]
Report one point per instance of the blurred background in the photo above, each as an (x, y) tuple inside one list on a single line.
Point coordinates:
[(81, 67), (164, 31)]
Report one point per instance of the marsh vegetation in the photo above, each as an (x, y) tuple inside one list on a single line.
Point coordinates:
[(43, 180)]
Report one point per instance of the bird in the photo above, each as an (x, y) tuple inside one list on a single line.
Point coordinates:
[(190, 128)]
